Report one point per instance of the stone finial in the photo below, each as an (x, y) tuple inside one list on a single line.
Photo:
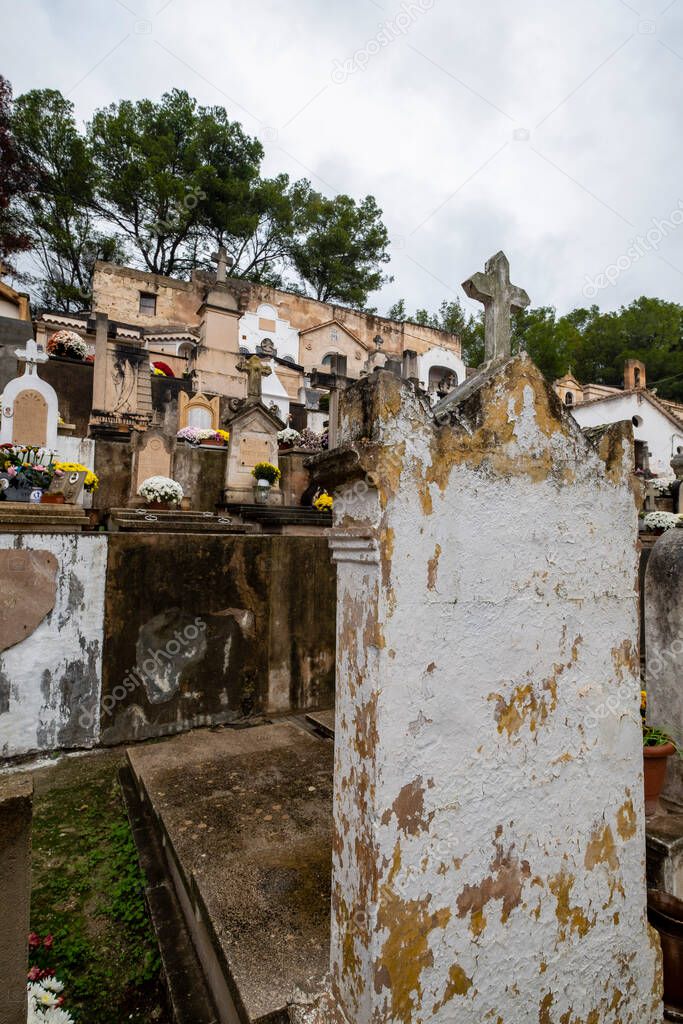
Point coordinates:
[(255, 371), (223, 261), (499, 298)]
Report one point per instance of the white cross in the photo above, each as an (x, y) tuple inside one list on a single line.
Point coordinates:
[(32, 355)]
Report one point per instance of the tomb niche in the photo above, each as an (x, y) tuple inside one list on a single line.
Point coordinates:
[(198, 411), (29, 404)]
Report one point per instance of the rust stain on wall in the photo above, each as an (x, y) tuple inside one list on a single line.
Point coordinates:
[(505, 883), (601, 849), (433, 567), (405, 951), (409, 809), (627, 822), (458, 984), (571, 919), (525, 705)]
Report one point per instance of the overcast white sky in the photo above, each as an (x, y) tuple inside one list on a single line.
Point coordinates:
[(551, 129)]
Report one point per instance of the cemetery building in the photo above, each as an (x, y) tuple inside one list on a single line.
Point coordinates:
[(657, 423)]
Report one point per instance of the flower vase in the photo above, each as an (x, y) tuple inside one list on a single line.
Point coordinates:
[(261, 492)]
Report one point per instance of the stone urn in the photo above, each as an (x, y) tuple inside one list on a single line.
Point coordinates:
[(655, 762)]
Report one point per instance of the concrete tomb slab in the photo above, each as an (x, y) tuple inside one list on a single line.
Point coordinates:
[(246, 816)]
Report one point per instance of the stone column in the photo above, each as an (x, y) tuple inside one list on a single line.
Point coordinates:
[(99, 386), (488, 810), (16, 797)]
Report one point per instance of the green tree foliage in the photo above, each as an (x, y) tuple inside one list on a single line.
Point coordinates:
[(15, 181), (56, 212), (593, 345), (339, 247), (163, 184), (168, 173)]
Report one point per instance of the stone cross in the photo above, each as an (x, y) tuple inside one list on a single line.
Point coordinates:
[(33, 355), (223, 261), (499, 297), (255, 370)]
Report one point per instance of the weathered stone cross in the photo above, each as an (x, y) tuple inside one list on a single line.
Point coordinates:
[(499, 298), (255, 371), (223, 261)]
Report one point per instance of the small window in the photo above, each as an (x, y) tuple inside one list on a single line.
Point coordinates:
[(636, 376), (148, 304), (569, 398)]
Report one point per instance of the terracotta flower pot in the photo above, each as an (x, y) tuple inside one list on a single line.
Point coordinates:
[(52, 499), (655, 761), (159, 506), (212, 442)]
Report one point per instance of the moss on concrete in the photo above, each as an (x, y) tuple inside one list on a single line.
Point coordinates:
[(88, 893)]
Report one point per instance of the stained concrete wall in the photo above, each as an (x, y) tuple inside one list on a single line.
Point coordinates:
[(489, 821), (201, 474), (145, 635), (49, 679), (203, 629)]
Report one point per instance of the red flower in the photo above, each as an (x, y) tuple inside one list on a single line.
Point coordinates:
[(33, 940), (34, 974), (47, 972), (47, 942)]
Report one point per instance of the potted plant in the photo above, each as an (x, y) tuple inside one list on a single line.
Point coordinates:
[(266, 474), (25, 472), (160, 492), (67, 343), (288, 438), (324, 502), (203, 436), (658, 747), (658, 522)]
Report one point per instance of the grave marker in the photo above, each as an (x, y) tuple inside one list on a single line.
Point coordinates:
[(488, 806)]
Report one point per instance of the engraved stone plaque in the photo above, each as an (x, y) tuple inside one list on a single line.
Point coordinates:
[(254, 449), (30, 419)]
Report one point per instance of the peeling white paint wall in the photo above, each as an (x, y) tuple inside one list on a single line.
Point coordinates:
[(489, 827), (52, 679)]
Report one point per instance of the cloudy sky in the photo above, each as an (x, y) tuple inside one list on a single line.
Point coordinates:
[(547, 128)]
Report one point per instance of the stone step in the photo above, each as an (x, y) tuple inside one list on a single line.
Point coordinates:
[(162, 521), (25, 517)]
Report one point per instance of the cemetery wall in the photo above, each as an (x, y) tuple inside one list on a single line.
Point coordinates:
[(201, 474), (49, 678), (114, 467), (72, 380), (202, 629), (128, 636)]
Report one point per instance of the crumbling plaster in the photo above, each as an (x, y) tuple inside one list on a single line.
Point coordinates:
[(489, 825), (54, 675)]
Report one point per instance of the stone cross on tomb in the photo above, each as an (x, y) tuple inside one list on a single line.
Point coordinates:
[(255, 370), (499, 297), (33, 355), (223, 261)]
